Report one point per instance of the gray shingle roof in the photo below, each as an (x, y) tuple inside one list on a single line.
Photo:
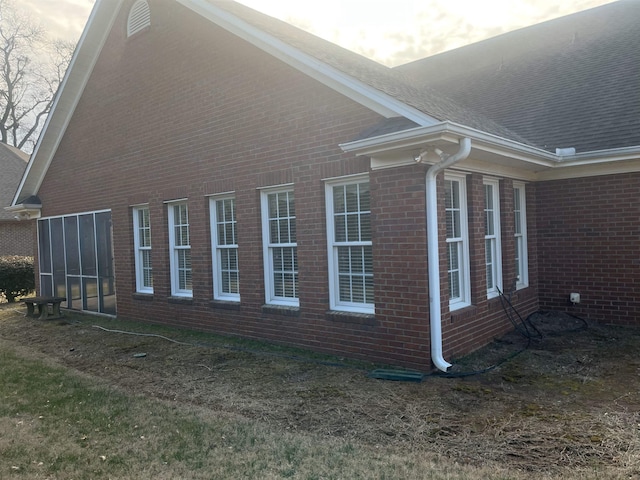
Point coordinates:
[(569, 82), (378, 76)]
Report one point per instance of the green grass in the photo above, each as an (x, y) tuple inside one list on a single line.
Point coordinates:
[(57, 424)]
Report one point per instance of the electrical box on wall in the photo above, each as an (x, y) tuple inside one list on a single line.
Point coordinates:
[(574, 297)]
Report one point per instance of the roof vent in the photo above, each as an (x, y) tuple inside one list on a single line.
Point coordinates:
[(139, 17), (565, 152)]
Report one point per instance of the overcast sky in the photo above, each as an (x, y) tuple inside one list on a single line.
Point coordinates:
[(389, 31)]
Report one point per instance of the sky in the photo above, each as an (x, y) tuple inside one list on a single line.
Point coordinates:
[(391, 32)]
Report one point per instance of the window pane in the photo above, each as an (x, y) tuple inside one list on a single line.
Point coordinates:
[(147, 276), (454, 269), (71, 245), (340, 226), (184, 270), (489, 258), (353, 228), (87, 244), (44, 246), (365, 227), (285, 271), (338, 199)]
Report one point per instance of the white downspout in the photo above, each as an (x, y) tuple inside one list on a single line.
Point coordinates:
[(435, 313)]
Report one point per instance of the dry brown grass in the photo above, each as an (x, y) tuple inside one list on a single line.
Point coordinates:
[(568, 407)]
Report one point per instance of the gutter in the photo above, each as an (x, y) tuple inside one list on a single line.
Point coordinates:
[(435, 311)]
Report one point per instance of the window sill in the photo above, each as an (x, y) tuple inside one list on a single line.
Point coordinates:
[(181, 300), (147, 297), (224, 305), (368, 319), (463, 313), (281, 310)]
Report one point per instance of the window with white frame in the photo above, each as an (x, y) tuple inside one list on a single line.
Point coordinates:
[(520, 213), (493, 251), (180, 250), (224, 248), (142, 245), (457, 241), (349, 244), (280, 247)]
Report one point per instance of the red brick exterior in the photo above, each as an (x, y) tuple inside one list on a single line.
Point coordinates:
[(588, 244), (16, 238), (186, 110)]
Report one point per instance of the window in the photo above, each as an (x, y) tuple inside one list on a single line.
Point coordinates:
[(180, 250), (224, 248), (142, 246), (349, 244), (457, 241), (493, 251), (139, 17), (519, 211), (280, 247)]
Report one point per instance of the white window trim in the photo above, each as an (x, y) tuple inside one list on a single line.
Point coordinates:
[(465, 279), (496, 240), (139, 265), (334, 297), (176, 291), (523, 280), (267, 249), (216, 249)]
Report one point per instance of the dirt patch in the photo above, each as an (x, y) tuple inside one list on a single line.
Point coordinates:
[(571, 400)]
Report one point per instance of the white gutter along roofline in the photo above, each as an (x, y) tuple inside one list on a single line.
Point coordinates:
[(416, 137), (360, 92)]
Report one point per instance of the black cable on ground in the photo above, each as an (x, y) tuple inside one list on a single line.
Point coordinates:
[(521, 327), (525, 327)]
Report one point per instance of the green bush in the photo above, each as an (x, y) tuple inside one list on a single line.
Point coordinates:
[(17, 277)]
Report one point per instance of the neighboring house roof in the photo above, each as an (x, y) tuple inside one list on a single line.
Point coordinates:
[(569, 82), (12, 165)]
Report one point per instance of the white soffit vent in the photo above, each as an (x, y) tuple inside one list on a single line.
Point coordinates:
[(139, 17)]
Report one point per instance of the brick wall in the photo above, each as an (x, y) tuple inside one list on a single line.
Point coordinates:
[(588, 244), (469, 328), (187, 110), (16, 238)]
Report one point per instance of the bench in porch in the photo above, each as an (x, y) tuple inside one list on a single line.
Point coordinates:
[(43, 307)]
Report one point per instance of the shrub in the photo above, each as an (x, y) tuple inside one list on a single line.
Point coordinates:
[(17, 277)]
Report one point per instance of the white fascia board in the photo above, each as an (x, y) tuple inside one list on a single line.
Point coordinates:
[(358, 91), (449, 131), (398, 149), (69, 92)]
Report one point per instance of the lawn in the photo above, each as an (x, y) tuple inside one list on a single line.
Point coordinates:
[(86, 398)]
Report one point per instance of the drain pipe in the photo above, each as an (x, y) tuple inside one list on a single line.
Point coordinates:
[(435, 312)]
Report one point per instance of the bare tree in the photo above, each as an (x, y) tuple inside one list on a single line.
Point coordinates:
[(31, 69)]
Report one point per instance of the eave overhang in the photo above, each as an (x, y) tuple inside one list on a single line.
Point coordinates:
[(25, 211), (491, 154)]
